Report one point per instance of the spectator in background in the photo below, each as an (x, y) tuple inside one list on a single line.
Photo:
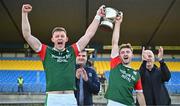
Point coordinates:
[(102, 80), (87, 82), (153, 78), (20, 82)]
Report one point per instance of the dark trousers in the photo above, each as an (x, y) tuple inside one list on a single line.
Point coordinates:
[(20, 89)]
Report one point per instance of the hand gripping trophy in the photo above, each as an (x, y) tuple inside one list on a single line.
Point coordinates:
[(107, 22)]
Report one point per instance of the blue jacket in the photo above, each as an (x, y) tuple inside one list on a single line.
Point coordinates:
[(92, 86)]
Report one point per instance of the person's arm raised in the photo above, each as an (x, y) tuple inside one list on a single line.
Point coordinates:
[(91, 30), (115, 37), (26, 29)]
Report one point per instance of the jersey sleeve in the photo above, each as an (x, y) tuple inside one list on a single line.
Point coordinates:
[(115, 61), (42, 52), (75, 47), (138, 86)]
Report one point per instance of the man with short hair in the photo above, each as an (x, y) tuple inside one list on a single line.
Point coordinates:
[(154, 78), (123, 79), (59, 61), (90, 82)]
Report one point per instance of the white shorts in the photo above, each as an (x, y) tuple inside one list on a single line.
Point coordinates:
[(60, 100), (114, 103)]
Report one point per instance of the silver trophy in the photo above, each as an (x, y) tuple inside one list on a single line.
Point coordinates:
[(107, 22)]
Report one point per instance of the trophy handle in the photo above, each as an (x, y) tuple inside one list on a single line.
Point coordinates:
[(120, 13)]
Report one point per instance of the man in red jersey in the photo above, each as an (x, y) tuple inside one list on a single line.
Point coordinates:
[(123, 79), (59, 61)]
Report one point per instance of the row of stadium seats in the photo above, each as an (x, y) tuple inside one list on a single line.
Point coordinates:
[(102, 66), (34, 77), (21, 65), (173, 85), (34, 81)]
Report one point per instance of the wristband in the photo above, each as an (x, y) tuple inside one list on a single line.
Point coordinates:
[(98, 17)]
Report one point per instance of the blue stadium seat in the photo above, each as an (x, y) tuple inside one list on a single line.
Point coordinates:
[(34, 81), (173, 86)]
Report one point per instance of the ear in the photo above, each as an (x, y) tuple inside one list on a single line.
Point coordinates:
[(132, 55), (67, 39), (52, 39)]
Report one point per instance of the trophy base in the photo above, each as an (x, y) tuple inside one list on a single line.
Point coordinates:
[(106, 26)]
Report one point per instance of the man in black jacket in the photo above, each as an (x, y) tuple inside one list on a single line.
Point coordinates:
[(91, 84), (153, 78)]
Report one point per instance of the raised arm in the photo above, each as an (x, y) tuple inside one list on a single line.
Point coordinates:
[(26, 29), (165, 72), (115, 37), (144, 61), (91, 30)]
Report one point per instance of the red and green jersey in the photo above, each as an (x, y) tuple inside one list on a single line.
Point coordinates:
[(59, 67), (122, 81)]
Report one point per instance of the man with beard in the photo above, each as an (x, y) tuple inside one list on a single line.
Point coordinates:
[(59, 61), (123, 79), (154, 78)]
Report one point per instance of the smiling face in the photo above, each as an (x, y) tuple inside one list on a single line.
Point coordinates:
[(151, 59), (126, 55), (59, 38), (81, 59)]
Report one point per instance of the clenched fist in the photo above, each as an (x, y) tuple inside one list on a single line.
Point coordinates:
[(26, 8)]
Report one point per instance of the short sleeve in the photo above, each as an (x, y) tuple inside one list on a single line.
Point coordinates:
[(138, 86), (42, 52), (76, 48), (115, 61)]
